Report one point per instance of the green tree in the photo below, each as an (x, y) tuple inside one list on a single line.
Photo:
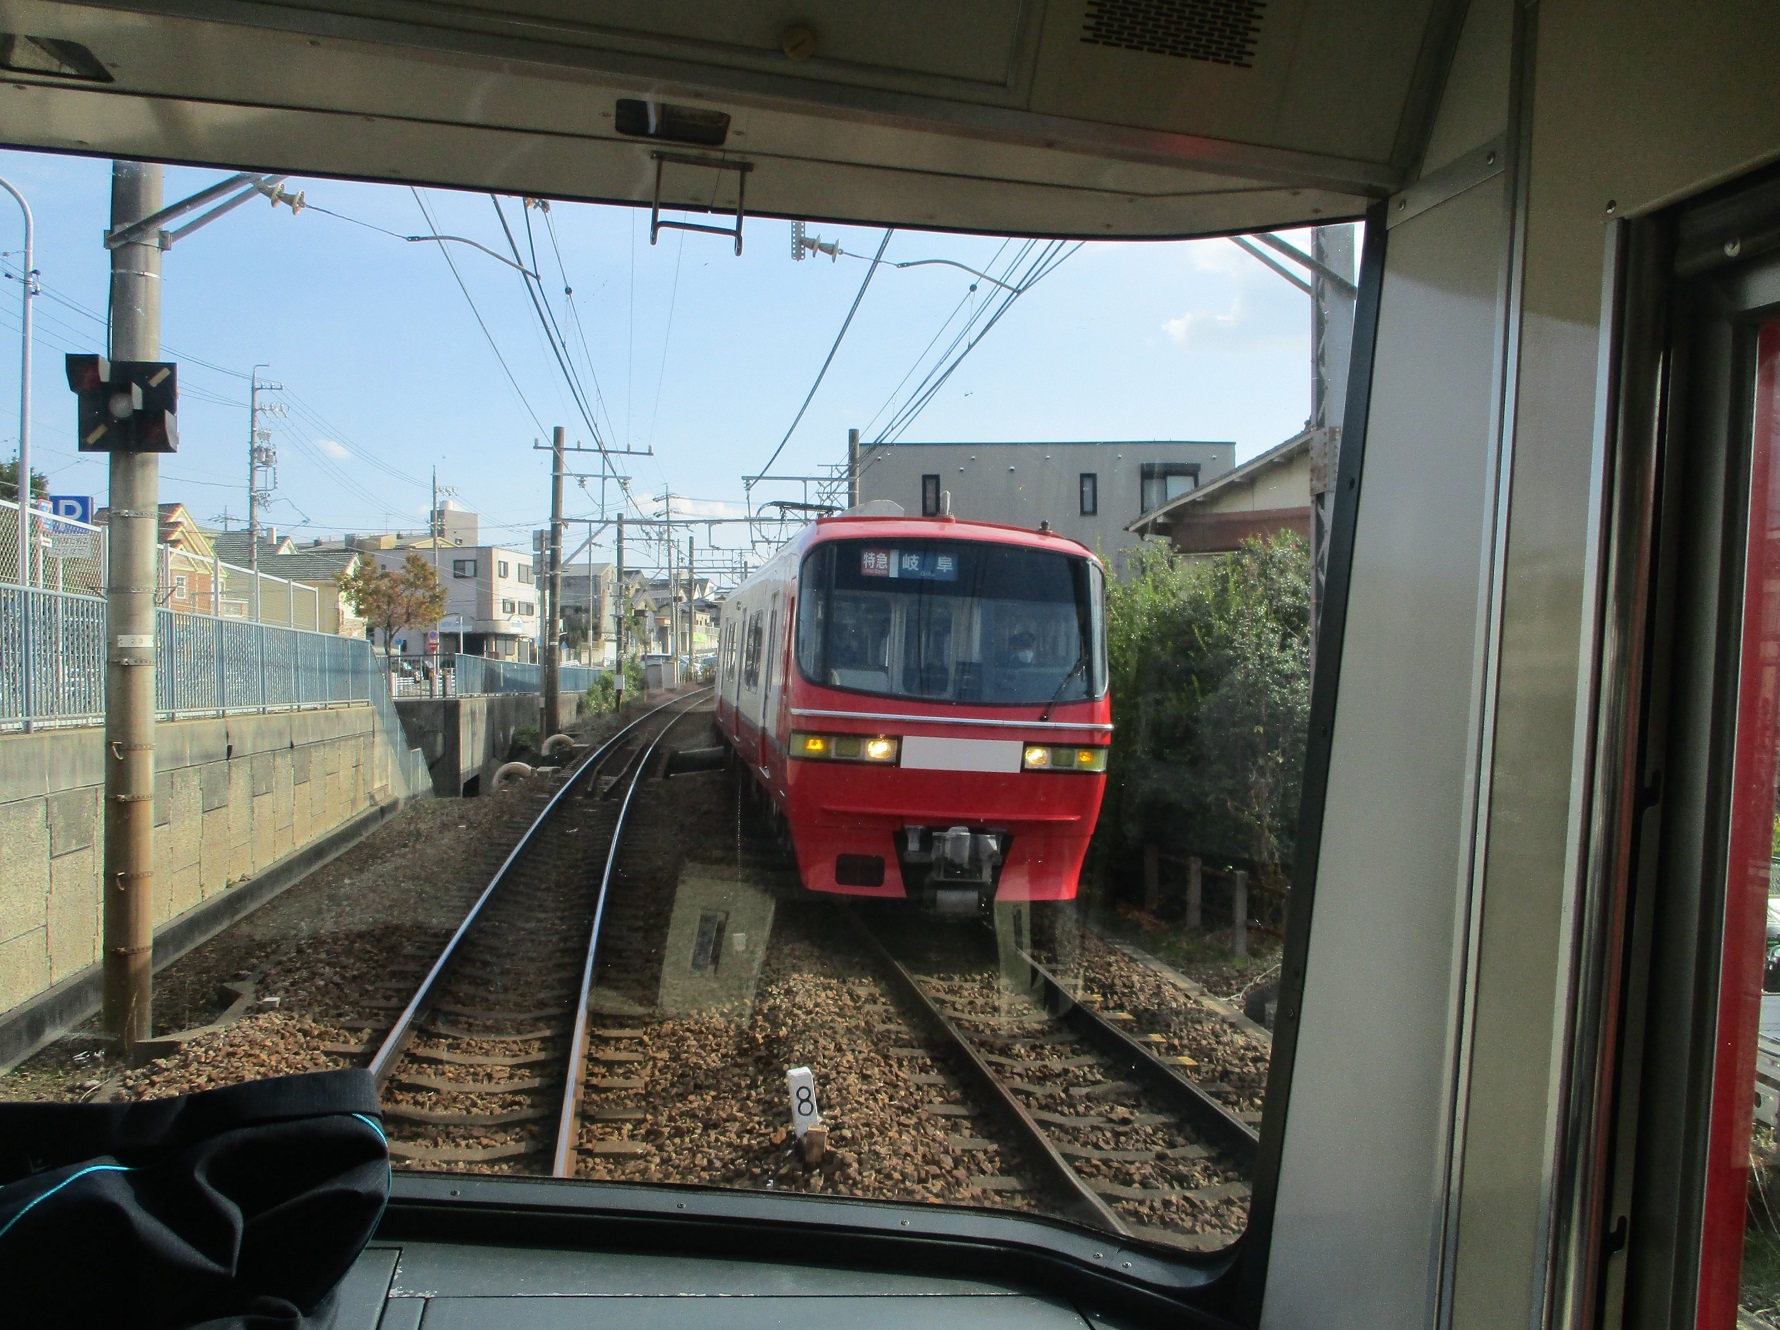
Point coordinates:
[(1210, 675), (409, 597), (9, 482)]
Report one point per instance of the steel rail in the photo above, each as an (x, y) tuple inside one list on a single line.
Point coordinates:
[(1084, 1203), (568, 1124), (1181, 1093), (390, 1051)]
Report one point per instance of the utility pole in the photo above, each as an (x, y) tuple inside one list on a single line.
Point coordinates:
[(620, 611), (262, 464), (128, 880), (691, 583), (553, 588), (673, 643)]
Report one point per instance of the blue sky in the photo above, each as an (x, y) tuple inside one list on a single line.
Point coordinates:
[(702, 356)]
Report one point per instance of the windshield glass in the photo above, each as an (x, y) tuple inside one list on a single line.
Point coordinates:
[(950, 620), (521, 735)]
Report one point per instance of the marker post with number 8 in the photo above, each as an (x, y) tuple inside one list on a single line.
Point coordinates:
[(806, 1118)]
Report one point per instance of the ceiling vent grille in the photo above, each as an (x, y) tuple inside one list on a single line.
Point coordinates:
[(1223, 32)]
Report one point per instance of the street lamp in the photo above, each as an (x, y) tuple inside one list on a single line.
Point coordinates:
[(29, 277)]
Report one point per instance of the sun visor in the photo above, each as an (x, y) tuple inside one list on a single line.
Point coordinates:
[(1072, 117)]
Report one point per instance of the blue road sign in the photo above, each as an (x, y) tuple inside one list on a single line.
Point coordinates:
[(77, 506)]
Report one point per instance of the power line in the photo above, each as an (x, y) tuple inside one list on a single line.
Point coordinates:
[(568, 294), (667, 338), (480, 322), (547, 319), (1049, 260), (829, 360), (559, 351), (964, 300)]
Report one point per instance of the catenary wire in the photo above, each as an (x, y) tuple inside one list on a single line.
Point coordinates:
[(480, 322), (829, 359)]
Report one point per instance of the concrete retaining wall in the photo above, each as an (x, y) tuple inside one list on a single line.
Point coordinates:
[(233, 797), (466, 739)]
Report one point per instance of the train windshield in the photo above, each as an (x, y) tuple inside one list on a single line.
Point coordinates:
[(953, 621)]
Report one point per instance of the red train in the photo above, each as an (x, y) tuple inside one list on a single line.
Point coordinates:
[(924, 703)]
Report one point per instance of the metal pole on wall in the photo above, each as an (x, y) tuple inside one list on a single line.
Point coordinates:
[(553, 589), (129, 636), (23, 491)]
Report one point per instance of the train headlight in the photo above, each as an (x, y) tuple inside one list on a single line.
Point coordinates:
[(879, 749), (1039, 757)]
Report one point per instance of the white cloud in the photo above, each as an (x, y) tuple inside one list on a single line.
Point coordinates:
[(709, 508), (1204, 329), (334, 450)]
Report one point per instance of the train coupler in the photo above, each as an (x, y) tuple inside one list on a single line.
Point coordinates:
[(957, 866)]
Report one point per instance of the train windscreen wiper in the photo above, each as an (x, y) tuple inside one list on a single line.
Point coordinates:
[(1057, 696)]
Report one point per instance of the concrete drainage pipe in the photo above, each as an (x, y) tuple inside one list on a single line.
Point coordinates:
[(511, 771)]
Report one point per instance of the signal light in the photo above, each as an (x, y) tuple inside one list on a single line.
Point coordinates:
[(125, 406)]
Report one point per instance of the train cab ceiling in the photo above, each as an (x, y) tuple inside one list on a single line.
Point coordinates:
[(1081, 117)]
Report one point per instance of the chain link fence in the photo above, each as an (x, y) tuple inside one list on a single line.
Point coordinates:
[(452, 675), (204, 666), (69, 556), (226, 639)]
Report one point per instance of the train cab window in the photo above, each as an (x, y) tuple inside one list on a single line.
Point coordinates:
[(1052, 778), (969, 622)]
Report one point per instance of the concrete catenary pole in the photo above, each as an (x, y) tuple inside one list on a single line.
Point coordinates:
[(128, 881), (553, 589), (852, 468), (691, 586)]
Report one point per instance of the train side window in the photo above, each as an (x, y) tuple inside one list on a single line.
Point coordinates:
[(930, 496), (751, 661)]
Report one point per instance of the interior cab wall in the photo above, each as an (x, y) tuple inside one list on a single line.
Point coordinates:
[(1438, 1039)]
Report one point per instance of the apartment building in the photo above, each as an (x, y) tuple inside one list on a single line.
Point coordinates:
[(1088, 491)]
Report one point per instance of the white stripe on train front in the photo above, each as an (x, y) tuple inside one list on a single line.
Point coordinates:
[(926, 753)]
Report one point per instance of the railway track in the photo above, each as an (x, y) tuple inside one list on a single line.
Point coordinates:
[(487, 1065), (1119, 1136)]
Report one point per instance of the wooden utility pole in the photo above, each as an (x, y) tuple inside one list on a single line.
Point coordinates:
[(553, 590), (128, 881)]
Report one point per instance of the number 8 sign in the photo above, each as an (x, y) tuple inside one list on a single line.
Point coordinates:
[(802, 1085)]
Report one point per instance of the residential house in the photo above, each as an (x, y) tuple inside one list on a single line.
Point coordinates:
[(185, 570), (1265, 494), (491, 600)]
